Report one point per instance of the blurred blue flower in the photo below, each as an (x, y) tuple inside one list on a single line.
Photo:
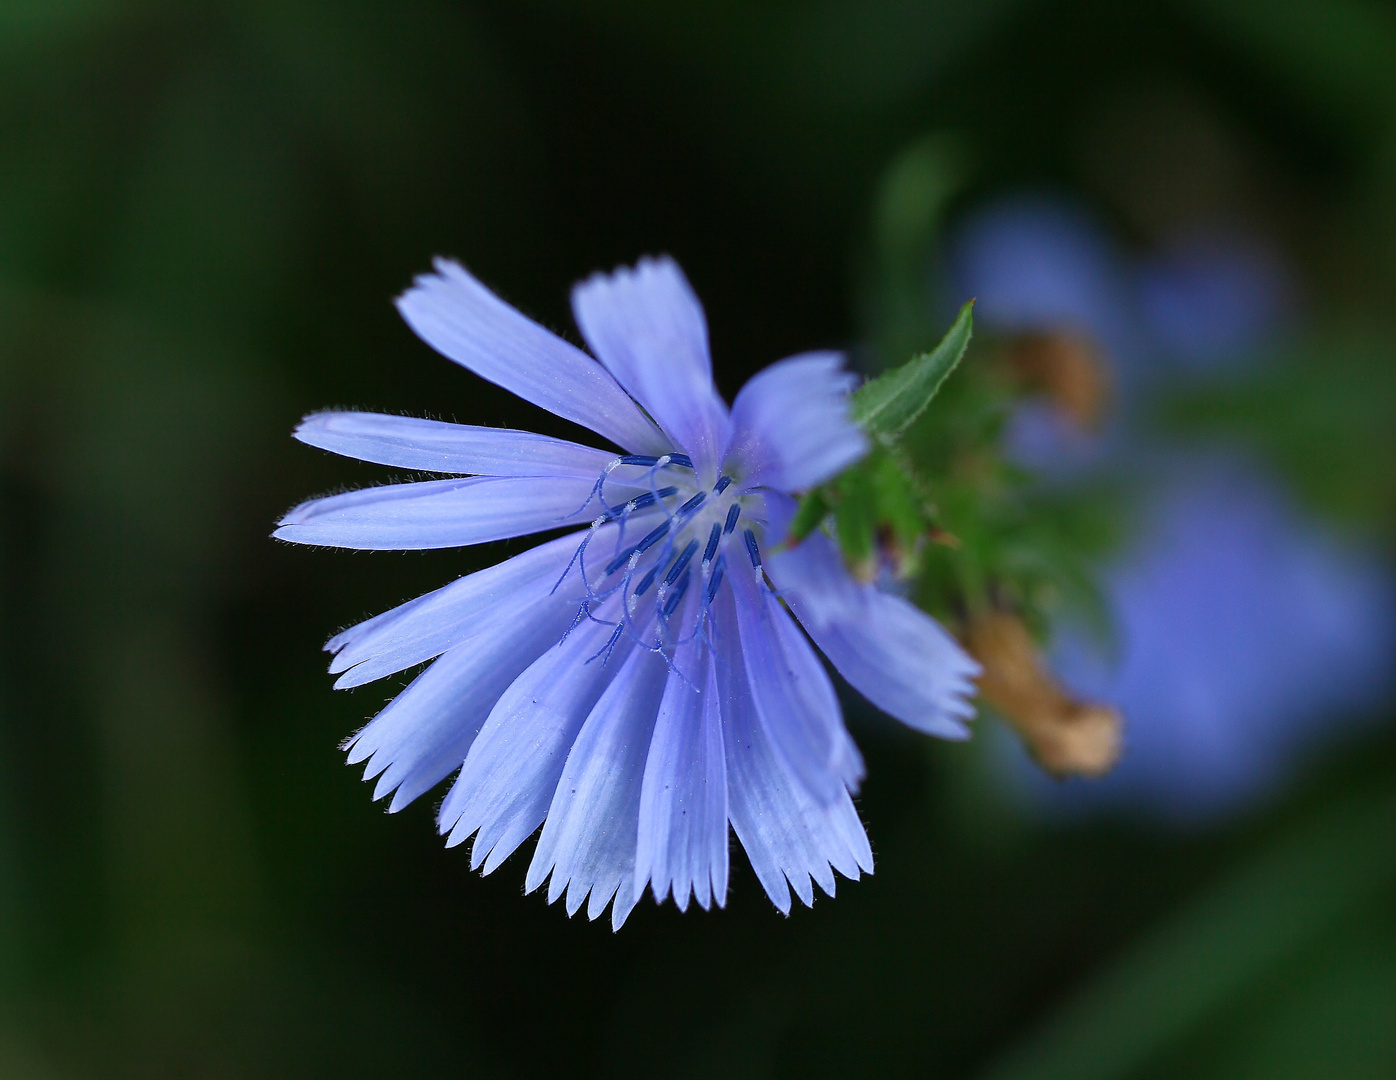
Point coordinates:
[(635, 685), (1211, 298), (1244, 631), (1040, 265), (1035, 262)]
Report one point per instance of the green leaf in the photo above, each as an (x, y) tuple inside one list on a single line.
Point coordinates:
[(813, 509), (894, 495), (887, 405), (855, 519)]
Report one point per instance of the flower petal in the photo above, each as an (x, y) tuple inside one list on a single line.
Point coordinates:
[(895, 655), (511, 773), (785, 832), (791, 427), (425, 732), (477, 604), (683, 805), (441, 513), (588, 840), (464, 321), (793, 695), (435, 446), (648, 328)]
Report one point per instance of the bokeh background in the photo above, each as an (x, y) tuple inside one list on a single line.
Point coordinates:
[(205, 211)]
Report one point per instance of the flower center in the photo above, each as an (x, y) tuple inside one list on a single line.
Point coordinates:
[(690, 530)]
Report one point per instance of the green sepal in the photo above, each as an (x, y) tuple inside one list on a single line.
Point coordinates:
[(900, 509), (884, 407), (813, 509), (855, 522)]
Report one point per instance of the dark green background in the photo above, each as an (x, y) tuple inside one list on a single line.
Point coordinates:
[(205, 210)]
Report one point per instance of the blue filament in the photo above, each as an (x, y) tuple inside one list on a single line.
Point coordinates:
[(674, 597), (692, 504), (656, 535), (723, 482), (647, 580), (732, 515), (715, 580), (648, 498), (713, 538), (604, 653), (649, 461), (681, 563), (752, 549)]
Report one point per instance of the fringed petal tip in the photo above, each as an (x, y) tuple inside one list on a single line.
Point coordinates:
[(791, 423), (890, 651)]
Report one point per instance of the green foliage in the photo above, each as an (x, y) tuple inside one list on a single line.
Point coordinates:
[(935, 500), (887, 405), (875, 505), (881, 501)]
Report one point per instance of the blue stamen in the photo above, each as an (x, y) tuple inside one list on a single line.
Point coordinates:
[(641, 501), (732, 516), (681, 562), (639, 459), (648, 580), (681, 459), (583, 612), (692, 504), (723, 482), (580, 553), (656, 535), (713, 538), (604, 653), (674, 597), (597, 490), (752, 549), (716, 579)]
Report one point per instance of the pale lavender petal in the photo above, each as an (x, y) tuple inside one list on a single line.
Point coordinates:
[(441, 513), (425, 732), (588, 840), (786, 833), (793, 694), (464, 321), (512, 771), (683, 805), (895, 655), (435, 446), (648, 328), (479, 603), (791, 427)]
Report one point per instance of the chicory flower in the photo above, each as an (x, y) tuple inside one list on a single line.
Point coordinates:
[(639, 683)]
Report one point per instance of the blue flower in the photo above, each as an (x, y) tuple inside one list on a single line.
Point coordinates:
[(637, 684)]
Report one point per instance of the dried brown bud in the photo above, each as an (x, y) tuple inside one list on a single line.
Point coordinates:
[(1067, 737), (1068, 368)]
